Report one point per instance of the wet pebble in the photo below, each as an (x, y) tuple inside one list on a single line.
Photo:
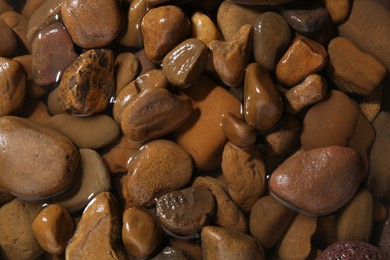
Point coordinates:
[(351, 250), (127, 68), (18, 24), (204, 29), (239, 132)]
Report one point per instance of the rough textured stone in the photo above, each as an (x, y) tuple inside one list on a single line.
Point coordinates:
[(351, 250)]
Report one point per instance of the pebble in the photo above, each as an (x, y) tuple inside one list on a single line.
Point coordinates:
[(98, 232), (319, 181), (19, 24), (92, 132), (160, 166), (227, 214), (52, 53), (351, 250), (127, 68), (202, 135), (171, 253), (131, 36), (30, 6), (185, 212), (379, 178), (191, 247), (46, 14), (5, 6), (53, 227), (163, 28), (371, 105), (53, 102), (225, 243), (126, 95), (204, 29), (141, 234), (35, 110), (33, 178), (311, 90), (154, 113), (152, 79), (261, 2), (352, 70), (230, 58), (262, 104), (268, 220), (184, 64), (368, 34), (88, 83), (271, 39), (245, 175), (146, 63), (12, 86), (92, 179), (239, 132), (337, 9), (92, 23), (356, 219), (9, 45), (302, 58), (306, 18), (17, 240)]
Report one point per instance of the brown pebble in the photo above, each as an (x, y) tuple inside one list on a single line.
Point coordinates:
[(171, 253), (53, 103), (204, 29), (152, 79), (141, 234), (19, 24), (123, 98), (191, 247), (8, 42), (53, 227), (146, 63), (239, 132), (35, 110), (371, 105), (319, 181), (352, 250), (92, 23), (30, 7), (338, 9), (163, 28), (127, 68)]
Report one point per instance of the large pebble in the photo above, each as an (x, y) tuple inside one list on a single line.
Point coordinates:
[(53, 227), (353, 70), (52, 52), (184, 64), (8, 42), (185, 212), (244, 172), (92, 132), (351, 250), (262, 106), (33, 177), (160, 166), (271, 38), (97, 234), (368, 34), (319, 181), (88, 83), (92, 23), (93, 178), (225, 243), (12, 86), (163, 28), (154, 113), (17, 240)]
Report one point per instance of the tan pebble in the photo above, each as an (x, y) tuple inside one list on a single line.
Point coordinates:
[(154, 113), (379, 212), (6, 6), (184, 64), (92, 178), (141, 234), (152, 79), (191, 247), (127, 68), (319, 181), (202, 135), (88, 84), (19, 24), (245, 175), (120, 154), (12, 86), (204, 29), (230, 58), (355, 221), (98, 232), (239, 132), (225, 243), (227, 214), (92, 23), (262, 105), (53, 227), (35, 110), (17, 238), (303, 58), (8, 42), (37, 144), (47, 13), (91, 132), (338, 9), (352, 70), (311, 90), (296, 243), (268, 220), (53, 103), (163, 28), (126, 95), (371, 105), (159, 167)]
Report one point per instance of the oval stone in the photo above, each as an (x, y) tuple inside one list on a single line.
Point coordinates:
[(319, 181), (8, 41), (33, 176)]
